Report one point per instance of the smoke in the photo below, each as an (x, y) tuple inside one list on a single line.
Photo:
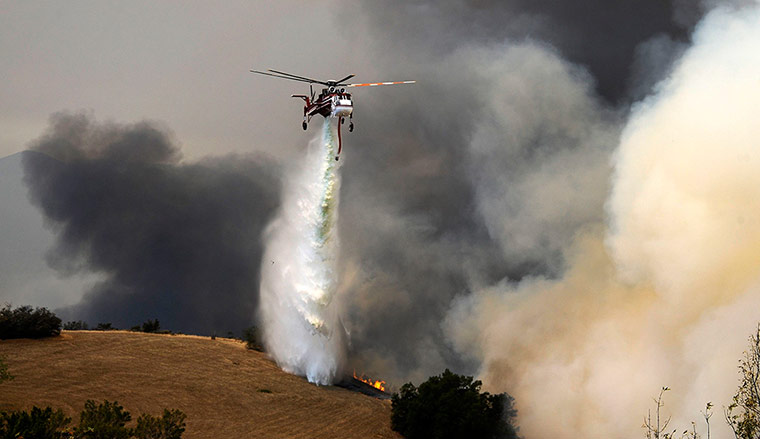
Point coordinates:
[(484, 170), (169, 240), (668, 292), (600, 35), (302, 328)]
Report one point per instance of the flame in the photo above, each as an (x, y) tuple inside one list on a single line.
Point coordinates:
[(379, 385)]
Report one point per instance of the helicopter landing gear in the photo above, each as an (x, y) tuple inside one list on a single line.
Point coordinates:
[(304, 125)]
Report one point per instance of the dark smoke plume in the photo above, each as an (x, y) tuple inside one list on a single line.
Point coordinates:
[(601, 35), (177, 242)]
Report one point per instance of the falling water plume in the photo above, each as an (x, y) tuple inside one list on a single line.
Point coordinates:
[(298, 311)]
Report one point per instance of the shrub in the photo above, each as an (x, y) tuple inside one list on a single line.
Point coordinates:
[(26, 322), (76, 326), (451, 406), (104, 327), (169, 426), (252, 338), (4, 374), (103, 421), (37, 424), (151, 326)]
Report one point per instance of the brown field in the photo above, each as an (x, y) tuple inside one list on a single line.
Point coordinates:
[(220, 385)]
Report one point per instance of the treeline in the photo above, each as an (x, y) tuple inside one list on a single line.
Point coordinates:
[(28, 322), (104, 420)]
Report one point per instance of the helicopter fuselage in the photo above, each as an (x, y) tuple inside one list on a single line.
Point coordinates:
[(327, 104)]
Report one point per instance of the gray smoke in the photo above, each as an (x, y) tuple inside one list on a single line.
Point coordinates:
[(173, 241)]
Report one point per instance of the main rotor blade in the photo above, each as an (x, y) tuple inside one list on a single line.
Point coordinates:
[(344, 79), (373, 84), (281, 77), (295, 76)]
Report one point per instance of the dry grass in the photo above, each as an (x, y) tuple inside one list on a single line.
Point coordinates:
[(223, 388)]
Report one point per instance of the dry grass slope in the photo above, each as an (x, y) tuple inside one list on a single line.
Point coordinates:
[(221, 386)]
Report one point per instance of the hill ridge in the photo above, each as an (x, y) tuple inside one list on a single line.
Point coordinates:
[(225, 389)]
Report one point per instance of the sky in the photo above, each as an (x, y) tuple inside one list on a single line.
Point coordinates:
[(559, 206)]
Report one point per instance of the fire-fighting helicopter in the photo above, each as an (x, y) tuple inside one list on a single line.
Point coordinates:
[(333, 101)]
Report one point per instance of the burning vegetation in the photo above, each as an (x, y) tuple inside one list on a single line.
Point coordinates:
[(379, 385)]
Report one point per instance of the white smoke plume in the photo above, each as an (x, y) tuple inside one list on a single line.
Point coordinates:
[(300, 317), (667, 293)]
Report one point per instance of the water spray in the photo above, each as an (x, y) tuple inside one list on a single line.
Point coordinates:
[(300, 319)]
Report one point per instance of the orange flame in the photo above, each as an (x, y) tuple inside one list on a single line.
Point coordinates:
[(380, 385)]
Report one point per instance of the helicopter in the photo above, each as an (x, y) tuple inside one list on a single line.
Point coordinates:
[(333, 101)]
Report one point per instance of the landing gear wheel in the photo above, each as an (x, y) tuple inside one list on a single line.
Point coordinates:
[(304, 125), (342, 121), (351, 127)]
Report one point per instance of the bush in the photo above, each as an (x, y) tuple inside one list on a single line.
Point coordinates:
[(151, 326), (451, 406), (76, 326), (104, 327), (37, 424), (4, 374), (103, 421), (169, 426), (26, 322), (252, 338)]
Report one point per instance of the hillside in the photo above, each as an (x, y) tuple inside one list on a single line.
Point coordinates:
[(221, 386)]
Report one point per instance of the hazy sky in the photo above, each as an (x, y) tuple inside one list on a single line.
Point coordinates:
[(182, 63)]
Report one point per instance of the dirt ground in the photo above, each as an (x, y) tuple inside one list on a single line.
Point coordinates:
[(226, 390)]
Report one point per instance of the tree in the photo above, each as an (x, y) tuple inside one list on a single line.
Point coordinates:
[(169, 426), (39, 423), (78, 325), (743, 414), (452, 406), (151, 326), (28, 322), (103, 421)]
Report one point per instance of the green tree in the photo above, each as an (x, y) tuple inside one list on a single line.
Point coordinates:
[(28, 322), (151, 326), (78, 325), (169, 426), (103, 421), (37, 424), (449, 406), (743, 414)]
